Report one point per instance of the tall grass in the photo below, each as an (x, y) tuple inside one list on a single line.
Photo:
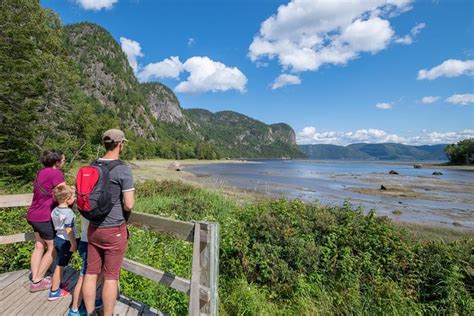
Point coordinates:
[(280, 257)]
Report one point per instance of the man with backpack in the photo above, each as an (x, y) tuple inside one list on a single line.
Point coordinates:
[(105, 196)]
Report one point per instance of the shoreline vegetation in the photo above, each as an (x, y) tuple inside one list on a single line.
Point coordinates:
[(282, 257)]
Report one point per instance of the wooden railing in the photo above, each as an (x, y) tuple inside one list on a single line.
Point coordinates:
[(203, 286)]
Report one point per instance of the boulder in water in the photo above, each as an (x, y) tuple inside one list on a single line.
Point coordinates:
[(418, 166), (383, 188), (392, 172), (176, 166), (437, 173)]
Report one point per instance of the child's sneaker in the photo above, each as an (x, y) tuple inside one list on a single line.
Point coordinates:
[(56, 295), (75, 313), (44, 284)]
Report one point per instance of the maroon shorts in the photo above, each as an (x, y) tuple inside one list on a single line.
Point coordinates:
[(106, 249)]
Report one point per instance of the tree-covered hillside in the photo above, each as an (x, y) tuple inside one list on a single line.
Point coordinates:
[(385, 151), (237, 135), (323, 151), (61, 87)]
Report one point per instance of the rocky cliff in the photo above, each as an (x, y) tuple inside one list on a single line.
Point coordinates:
[(152, 111)]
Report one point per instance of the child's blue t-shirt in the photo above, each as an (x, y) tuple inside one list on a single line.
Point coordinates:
[(63, 217)]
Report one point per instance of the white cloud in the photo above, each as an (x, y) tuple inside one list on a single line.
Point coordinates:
[(309, 135), (442, 137), (461, 99), (285, 80), (209, 75), (191, 41), (449, 68), (384, 105), (429, 99), (205, 74), (96, 5), (306, 34), (409, 38), (167, 68), (133, 50)]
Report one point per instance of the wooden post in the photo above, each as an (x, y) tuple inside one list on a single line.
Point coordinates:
[(209, 268), (195, 273)]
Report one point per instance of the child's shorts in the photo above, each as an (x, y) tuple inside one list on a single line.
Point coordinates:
[(82, 248), (63, 253)]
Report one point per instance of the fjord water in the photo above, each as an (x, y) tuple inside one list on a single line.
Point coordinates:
[(440, 200)]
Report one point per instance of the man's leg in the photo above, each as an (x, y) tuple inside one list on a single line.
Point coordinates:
[(77, 296), (113, 258), (109, 296), (88, 291)]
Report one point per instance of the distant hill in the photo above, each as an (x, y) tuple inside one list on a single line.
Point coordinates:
[(384, 151), (153, 113), (237, 135)]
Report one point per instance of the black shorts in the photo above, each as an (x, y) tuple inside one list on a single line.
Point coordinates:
[(44, 229)]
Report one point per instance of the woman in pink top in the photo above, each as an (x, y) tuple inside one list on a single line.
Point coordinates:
[(39, 217)]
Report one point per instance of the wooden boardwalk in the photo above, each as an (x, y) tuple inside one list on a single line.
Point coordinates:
[(16, 299), (202, 288)]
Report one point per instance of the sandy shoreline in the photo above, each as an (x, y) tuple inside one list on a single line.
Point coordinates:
[(399, 187)]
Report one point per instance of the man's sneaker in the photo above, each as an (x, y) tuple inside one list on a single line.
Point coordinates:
[(56, 295), (44, 284)]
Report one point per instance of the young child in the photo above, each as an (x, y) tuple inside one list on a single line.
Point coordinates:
[(65, 243)]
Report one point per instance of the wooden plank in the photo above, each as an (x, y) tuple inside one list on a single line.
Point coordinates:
[(150, 311), (195, 273), (49, 308), (213, 248), (135, 308), (21, 299), (10, 239), (121, 307), (168, 279), (15, 200), (8, 278), (209, 267), (177, 229)]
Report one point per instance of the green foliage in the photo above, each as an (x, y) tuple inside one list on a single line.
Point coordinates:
[(280, 257), (33, 66), (236, 135), (385, 151), (462, 152)]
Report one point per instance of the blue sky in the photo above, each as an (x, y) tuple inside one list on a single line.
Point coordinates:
[(338, 72)]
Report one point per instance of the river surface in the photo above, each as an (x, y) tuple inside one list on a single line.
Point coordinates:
[(444, 200)]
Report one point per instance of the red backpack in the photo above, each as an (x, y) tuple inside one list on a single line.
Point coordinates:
[(94, 199)]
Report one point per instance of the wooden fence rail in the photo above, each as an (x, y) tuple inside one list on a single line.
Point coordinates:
[(203, 286)]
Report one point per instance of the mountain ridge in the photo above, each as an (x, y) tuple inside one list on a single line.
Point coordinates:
[(153, 112), (377, 151)]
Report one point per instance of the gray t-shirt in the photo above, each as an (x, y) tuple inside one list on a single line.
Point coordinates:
[(63, 217), (121, 181)]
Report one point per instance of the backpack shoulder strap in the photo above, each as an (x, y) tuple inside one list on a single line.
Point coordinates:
[(114, 164), (40, 188), (108, 166)]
